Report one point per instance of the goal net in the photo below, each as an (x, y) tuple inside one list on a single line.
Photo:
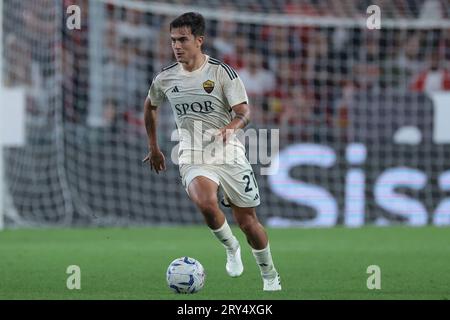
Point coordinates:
[(362, 111)]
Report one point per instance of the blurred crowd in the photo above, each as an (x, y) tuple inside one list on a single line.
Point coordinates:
[(331, 8), (296, 76)]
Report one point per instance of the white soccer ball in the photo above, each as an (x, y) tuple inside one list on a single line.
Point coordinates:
[(185, 275)]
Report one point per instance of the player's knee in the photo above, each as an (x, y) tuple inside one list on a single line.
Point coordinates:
[(208, 206), (246, 224)]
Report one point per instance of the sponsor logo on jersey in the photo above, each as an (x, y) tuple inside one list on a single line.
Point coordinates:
[(208, 85), (195, 107)]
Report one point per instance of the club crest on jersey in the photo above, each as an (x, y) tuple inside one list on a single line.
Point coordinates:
[(208, 85)]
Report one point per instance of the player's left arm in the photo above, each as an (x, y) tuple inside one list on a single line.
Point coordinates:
[(240, 121), (236, 96)]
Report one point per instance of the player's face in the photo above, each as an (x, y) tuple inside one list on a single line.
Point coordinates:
[(184, 44)]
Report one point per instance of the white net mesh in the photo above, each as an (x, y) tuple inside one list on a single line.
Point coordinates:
[(35, 174), (357, 109)]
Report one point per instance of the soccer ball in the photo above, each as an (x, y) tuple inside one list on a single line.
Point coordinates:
[(185, 275)]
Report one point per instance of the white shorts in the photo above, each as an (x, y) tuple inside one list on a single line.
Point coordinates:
[(236, 181)]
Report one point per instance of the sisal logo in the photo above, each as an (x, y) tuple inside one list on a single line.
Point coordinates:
[(195, 107), (399, 170)]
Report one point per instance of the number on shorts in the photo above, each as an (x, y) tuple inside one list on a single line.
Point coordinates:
[(247, 187)]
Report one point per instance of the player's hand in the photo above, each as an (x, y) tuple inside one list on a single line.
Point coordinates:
[(157, 161), (224, 134)]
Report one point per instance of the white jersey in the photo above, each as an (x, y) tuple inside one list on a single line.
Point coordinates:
[(201, 101)]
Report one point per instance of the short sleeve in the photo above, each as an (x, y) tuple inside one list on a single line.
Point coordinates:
[(233, 87), (155, 94)]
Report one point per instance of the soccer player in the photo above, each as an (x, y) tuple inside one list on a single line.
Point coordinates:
[(205, 91)]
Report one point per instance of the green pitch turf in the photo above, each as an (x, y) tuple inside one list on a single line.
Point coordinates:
[(313, 263)]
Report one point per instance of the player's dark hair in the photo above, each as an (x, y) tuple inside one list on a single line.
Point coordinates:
[(193, 20)]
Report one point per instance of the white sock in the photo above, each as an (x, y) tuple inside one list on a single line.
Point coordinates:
[(264, 260), (225, 235)]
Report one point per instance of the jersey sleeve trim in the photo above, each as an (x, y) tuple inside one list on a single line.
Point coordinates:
[(165, 69), (169, 66), (230, 71)]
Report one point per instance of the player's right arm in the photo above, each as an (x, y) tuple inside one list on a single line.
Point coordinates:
[(155, 157)]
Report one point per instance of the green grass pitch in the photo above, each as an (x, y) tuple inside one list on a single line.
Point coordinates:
[(131, 263)]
